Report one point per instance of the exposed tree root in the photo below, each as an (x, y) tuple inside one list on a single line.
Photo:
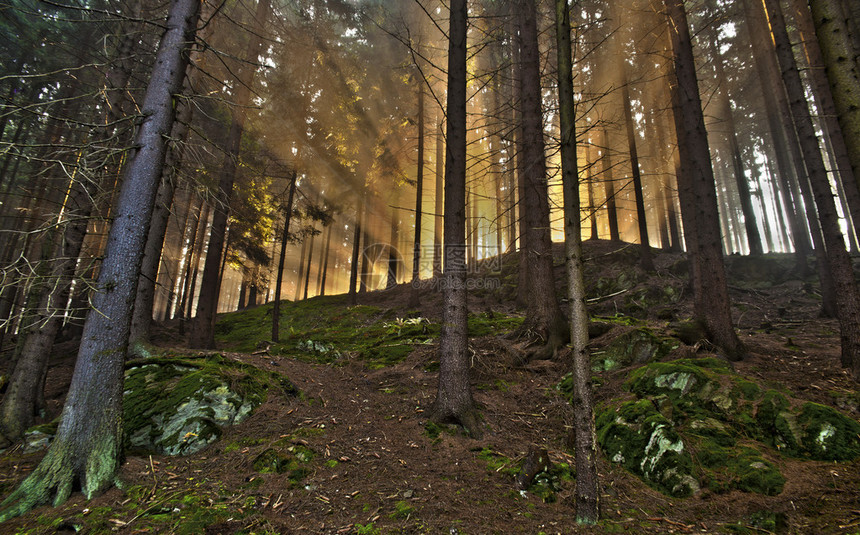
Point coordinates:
[(51, 482), (468, 418), (64, 467), (542, 342)]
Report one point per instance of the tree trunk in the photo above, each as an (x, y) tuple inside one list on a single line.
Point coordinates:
[(279, 280), (437, 211), (543, 316), (87, 447), (356, 253), (414, 301), (193, 266), (454, 403), (324, 265), (307, 280), (587, 492), (203, 327), (645, 246), (60, 253), (696, 187), (609, 184), (843, 72), (726, 117), (829, 115), (838, 261), (301, 274)]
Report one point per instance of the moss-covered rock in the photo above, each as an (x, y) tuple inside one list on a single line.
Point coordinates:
[(645, 442), (683, 431), (827, 434), (636, 346), (178, 405), (700, 410)]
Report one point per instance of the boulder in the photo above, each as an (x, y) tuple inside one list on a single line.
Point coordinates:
[(178, 405)]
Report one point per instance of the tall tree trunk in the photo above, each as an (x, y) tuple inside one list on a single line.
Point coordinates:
[(324, 265), (414, 300), (727, 118), (454, 403), (193, 265), (843, 72), (356, 252), (301, 274), (279, 280), (61, 249), (829, 113), (645, 259), (141, 319), (543, 316), (609, 184), (87, 447), (393, 260), (838, 261), (437, 211), (696, 187), (203, 327), (587, 492), (764, 55), (308, 266)]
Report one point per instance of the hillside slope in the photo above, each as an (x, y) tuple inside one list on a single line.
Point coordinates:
[(354, 453)]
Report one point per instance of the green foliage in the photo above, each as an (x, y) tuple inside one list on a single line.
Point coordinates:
[(216, 390), (366, 529), (293, 461), (325, 330), (402, 510), (709, 414)]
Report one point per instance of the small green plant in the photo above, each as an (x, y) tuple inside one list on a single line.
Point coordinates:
[(366, 529), (402, 510)]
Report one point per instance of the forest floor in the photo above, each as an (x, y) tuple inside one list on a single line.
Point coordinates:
[(377, 467)]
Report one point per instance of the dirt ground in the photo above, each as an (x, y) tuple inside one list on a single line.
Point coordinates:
[(376, 467)]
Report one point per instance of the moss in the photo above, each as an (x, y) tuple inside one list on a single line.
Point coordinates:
[(828, 435), (642, 440), (750, 472), (271, 461), (402, 510), (748, 390), (635, 346), (294, 462), (548, 483), (498, 463), (673, 379), (492, 323), (176, 404), (775, 424)]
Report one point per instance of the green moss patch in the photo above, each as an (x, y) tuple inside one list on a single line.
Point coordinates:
[(636, 346), (178, 404), (696, 424), (326, 330), (635, 435), (293, 461)]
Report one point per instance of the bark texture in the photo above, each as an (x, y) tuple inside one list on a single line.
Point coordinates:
[(454, 403), (696, 190), (843, 71), (587, 493), (544, 317), (87, 447), (838, 261)]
